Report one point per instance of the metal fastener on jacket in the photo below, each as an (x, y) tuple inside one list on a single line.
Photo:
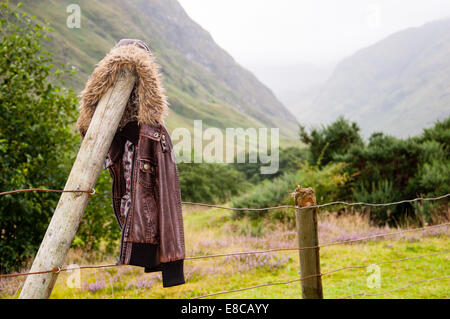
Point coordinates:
[(146, 167), (155, 134)]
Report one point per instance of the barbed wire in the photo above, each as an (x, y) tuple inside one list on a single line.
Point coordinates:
[(319, 246), (322, 205), (320, 274), (55, 270), (92, 192), (327, 244)]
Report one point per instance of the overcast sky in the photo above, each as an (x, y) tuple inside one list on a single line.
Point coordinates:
[(273, 32)]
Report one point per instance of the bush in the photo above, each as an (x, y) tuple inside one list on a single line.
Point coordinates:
[(266, 194), (387, 168), (328, 141), (210, 182), (404, 168), (35, 139), (99, 224), (290, 159), (328, 183), (38, 146), (440, 132), (384, 158), (381, 192), (433, 174)]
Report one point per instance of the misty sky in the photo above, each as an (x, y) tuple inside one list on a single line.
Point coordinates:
[(261, 33)]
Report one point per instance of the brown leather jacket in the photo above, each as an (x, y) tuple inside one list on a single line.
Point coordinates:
[(152, 229)]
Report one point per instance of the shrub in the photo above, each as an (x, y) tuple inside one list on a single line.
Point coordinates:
[(290, 159), (210, 182), (328, 141), (397, 169), (99, 224), (384, 158), (381, 192), (328, 183), (35, 139), (268, 193)]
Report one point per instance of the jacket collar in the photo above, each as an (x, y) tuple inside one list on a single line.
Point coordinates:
[(148, 95)]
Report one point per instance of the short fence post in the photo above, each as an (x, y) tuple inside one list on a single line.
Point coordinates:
[(307, 232), (83, 176)]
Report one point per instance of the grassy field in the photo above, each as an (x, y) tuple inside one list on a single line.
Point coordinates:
[(215, 231)]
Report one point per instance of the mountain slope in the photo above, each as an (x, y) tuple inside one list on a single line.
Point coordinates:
[(202, 80), (398, 85)]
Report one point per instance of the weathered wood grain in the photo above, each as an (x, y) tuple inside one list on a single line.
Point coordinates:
[(308, 236), (66, 218)]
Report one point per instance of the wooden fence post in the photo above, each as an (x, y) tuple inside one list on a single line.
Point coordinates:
[(307, 232), (83, 176)]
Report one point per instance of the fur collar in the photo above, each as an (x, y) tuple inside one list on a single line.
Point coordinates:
[(148, 102)]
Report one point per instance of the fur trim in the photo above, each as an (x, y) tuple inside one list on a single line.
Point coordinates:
[(148, 102)]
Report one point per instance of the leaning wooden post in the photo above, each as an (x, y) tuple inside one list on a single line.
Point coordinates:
[(83, 176), (307, 232)]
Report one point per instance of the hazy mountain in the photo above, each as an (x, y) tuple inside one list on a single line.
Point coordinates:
[(202, 80), (398, 85), (296, 85)]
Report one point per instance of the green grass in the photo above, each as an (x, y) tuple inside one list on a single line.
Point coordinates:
[(213, 232)]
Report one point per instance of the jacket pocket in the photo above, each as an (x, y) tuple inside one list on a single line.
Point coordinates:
[(146, 173)]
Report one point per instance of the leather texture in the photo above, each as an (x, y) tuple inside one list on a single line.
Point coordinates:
[(155, 216)]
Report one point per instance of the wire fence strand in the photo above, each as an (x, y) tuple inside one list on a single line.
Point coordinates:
[(320, 275), (319, 246), (327, 244), (321, 205), (92, 192), (250, 252), (55, 270)]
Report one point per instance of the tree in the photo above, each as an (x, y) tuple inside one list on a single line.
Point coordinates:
[(332, 140), (36, 143)]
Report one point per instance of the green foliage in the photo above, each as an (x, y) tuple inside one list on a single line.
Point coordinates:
[(397, 169), (210, 182), (387, 168), (433, 175), (99, 224), (268, 193), (440, 133), (434, 178), (35, 140), (328, 183), (385, 158), (327, 142), (382, 191), (290, 160)]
